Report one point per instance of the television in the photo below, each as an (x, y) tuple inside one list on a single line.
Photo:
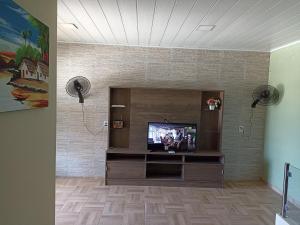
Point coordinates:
[(171, 136)]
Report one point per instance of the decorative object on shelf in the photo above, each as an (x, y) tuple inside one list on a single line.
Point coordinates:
[(118, 124), (213, 103), (24, 59)]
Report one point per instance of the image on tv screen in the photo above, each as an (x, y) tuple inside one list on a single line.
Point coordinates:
[(172, 136)]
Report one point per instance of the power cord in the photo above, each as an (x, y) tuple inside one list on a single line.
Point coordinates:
[(85, 122)]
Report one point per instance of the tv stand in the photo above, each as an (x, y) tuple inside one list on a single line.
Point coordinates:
[(199, 169), (129, 162)]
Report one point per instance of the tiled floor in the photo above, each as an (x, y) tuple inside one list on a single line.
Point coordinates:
[(86, 201)]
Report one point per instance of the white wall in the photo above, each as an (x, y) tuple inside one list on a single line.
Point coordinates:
[(27, 146)]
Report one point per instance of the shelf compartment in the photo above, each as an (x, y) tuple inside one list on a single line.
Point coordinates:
[(203, 172), (125, 157), (125, 170), (202, 159), (163, 171), (165, 158)]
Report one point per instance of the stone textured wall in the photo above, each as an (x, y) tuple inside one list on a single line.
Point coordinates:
[(81, 154)]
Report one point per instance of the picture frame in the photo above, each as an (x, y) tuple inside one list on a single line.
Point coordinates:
[(118, 124)]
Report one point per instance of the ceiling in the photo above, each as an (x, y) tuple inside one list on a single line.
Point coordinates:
[(259, 25)]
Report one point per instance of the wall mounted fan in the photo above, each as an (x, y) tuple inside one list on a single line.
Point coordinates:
[(265, 95), (78, 87)]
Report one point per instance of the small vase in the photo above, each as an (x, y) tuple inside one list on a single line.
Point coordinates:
[(211, 107)]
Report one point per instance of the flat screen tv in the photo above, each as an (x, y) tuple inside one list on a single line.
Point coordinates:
[(172, 136)]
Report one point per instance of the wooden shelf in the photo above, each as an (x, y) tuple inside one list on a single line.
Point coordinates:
[(118, 106), (161, 178), (164, 162)]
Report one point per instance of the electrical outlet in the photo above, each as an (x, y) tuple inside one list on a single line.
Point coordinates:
[(105, 123), (241, 130)]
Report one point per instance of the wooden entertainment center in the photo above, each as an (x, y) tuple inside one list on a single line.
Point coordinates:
[(129, 162)]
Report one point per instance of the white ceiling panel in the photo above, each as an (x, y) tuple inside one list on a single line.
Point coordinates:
[(84, 18), (96, 13), (181, 12), (67, 17), (198, 12), (216, 13), (163, 12), (128, 12), (245, 23), (259, 25), (146, 12), (112, 12), (230, 17)]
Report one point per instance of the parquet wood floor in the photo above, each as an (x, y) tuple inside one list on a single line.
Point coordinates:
[(86, 201)]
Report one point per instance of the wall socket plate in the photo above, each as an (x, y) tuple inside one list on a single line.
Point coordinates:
[(105, 123), (241, 129)]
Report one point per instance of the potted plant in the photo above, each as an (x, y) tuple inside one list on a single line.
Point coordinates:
[(213, 103)]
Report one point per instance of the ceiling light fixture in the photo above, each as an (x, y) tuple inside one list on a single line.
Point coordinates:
[(69, 25), (206, 27)]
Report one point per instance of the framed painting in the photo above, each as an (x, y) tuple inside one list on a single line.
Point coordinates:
[(24, 59)]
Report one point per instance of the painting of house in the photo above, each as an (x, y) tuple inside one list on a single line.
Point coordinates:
[(42, 71), (24, 59), (28, 69)]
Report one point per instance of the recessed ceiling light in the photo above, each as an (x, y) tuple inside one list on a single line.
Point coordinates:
[(69, 25), (206, 27)]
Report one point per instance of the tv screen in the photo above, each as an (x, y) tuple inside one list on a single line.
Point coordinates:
[(172, 136)]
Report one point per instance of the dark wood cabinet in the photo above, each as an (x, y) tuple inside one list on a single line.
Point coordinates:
[(201, 169)]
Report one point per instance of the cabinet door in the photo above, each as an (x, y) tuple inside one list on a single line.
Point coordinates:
[(203, 172), (125, 170)]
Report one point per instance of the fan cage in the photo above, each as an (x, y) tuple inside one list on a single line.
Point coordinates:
[(273, 95), (85, 83)]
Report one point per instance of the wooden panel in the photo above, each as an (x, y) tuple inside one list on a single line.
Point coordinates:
[(124, 170), (155, 105), (211, 122), (203, 172)]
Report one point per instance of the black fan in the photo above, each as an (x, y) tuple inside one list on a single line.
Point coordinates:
[(265, 95), (78, 87)]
